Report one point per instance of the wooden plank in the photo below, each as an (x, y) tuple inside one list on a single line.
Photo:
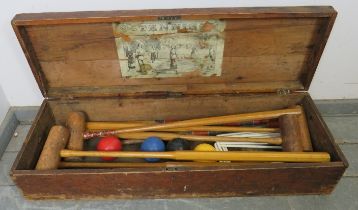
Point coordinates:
[(160, 90), (270, 41), (189, 183), (235, 69), (322, 139), (53, 33), (83, 73), (262, 44), (178, 108), (257, 23), (31, 57), (78, 50), (198, 13), (266, 37), (315, 57), (31, 149)]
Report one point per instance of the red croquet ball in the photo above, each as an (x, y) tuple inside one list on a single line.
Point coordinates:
[(109, 143)]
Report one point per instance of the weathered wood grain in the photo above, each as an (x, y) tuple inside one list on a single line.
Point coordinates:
[(32, 147), (106, 73), (178, 108), (59, 18), (175, 90), (77, 49), (322, 139), (282, 179)]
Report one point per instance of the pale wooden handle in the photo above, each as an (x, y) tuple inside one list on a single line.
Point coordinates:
[(95, 126), (216, 156), (202, 121), (98, 126), (148, 165), (170, 136)]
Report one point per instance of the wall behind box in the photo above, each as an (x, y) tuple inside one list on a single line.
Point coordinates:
[(336, 76), (4, 105)]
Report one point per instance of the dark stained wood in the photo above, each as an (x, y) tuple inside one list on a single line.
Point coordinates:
[(262, 46), (290, 133), (322, 139), (31, 57), (110, 184), (317, 53), (32, 147)]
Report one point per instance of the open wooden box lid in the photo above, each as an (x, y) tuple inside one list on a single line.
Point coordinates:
[(186, 51)]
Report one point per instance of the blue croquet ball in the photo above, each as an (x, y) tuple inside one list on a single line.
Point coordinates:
[(152, 144)]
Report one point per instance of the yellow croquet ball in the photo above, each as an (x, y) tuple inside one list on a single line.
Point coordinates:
[(204, 148)]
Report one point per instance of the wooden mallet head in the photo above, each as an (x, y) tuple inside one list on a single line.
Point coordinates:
[(294, 133), (76, 123), (55, 142)]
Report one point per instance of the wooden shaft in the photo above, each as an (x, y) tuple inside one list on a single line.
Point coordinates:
[(202, 121), (98, 126), (56, 141), (147, 165), (95, 126), (216, 156), (305, 134), (170, 136), (76, 123), (223, 129)]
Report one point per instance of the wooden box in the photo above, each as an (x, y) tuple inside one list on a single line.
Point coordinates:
[(249, 59)]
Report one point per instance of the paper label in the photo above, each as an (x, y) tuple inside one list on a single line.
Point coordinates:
[(175, 48)]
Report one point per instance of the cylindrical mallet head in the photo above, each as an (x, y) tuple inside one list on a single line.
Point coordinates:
[(291, 133), (76, 123), (55, 142), (306, 139)]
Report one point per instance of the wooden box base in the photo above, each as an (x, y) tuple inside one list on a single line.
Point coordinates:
[(174, 182)]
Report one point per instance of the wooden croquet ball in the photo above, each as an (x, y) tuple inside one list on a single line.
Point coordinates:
[(152, 144), (178, 144), (109, 143), (204, 148)]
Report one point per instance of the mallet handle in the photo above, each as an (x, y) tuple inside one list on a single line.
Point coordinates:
[(216, 156), (201, 121), (98, 126), (170, 136), (147, 165)]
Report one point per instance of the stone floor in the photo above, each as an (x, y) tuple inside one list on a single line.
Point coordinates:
[(343, 126)]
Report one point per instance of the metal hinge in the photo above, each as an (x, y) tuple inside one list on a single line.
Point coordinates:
[(283, 91)]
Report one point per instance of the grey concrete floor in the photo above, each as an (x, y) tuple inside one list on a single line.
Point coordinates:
[(344, 197)]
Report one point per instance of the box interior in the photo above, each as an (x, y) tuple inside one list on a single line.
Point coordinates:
[(178, 108)]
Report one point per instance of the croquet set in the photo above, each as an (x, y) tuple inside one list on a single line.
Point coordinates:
[(176, 103)]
